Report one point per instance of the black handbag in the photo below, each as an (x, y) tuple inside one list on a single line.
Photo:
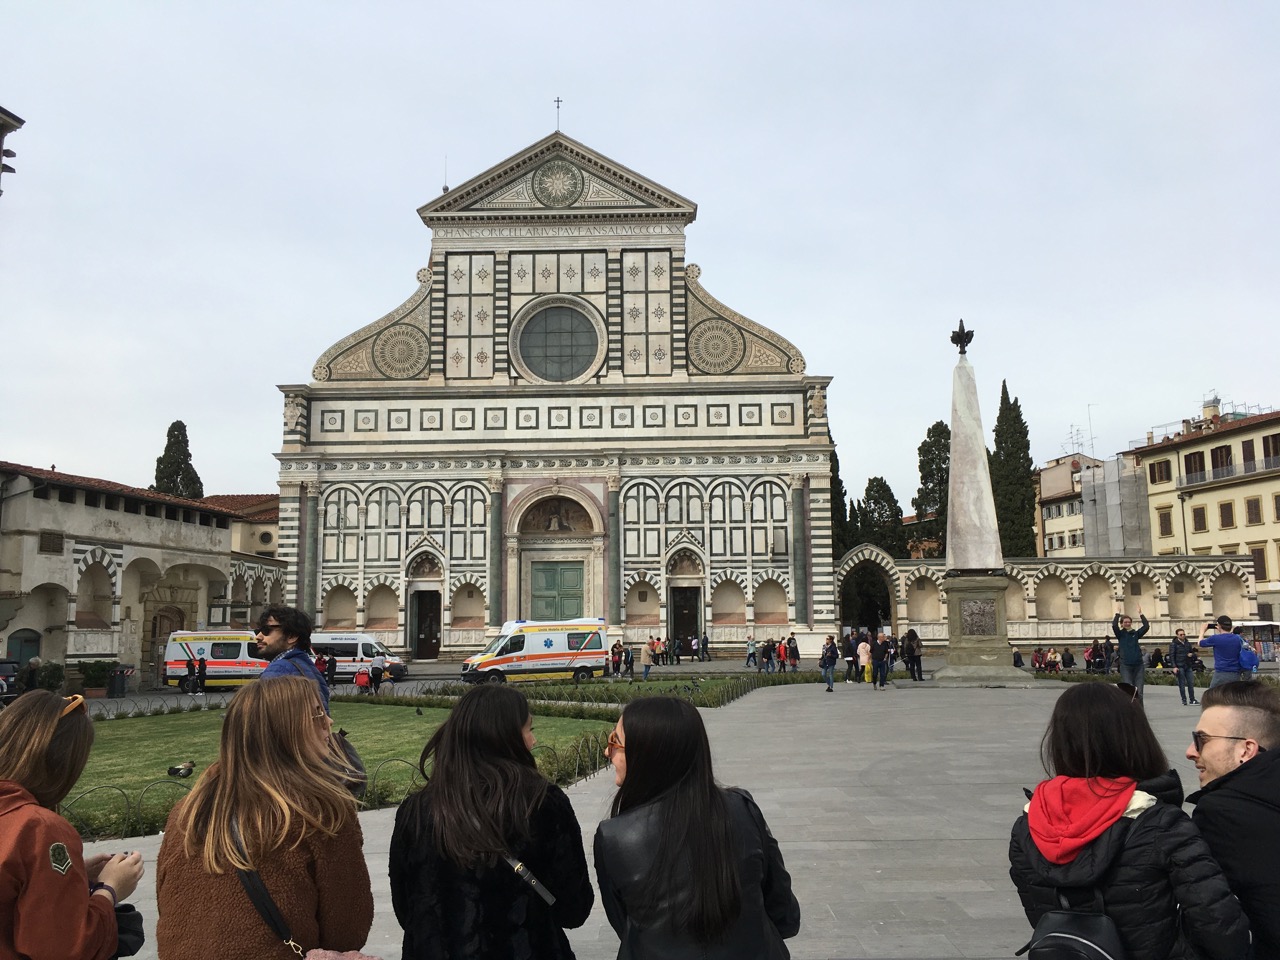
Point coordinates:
[(352, 771), (130, 937)]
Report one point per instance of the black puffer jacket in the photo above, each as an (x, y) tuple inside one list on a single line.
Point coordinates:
[(1145, 868), (624, 854), (1239, 816)]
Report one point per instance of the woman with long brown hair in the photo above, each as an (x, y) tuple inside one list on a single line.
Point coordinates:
[(54, 905), (487, 858), (271, 803)]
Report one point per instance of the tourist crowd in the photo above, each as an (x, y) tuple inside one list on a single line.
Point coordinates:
[(487, 859)]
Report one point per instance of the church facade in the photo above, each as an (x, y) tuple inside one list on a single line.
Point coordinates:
[(560, 421)]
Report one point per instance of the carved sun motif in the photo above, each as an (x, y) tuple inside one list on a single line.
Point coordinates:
[(557, 183), (716, 346), (400, 352)]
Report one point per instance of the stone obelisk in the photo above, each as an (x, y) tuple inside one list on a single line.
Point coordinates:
[(978, 646)]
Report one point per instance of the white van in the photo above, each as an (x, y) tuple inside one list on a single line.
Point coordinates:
[(231, 657), (353, 651), (540, 650)]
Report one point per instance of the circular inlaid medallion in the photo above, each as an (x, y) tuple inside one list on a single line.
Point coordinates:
[(400, 352), (557, 183), (716, 346)]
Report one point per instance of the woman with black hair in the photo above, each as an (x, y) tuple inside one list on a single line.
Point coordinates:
[(1110, 823), (686, 868), (487, 858)]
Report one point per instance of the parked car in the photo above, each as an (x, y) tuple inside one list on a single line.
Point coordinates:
[(9, 676)]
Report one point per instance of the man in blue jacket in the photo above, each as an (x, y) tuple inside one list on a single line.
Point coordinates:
[(1132, 667), (1225, 643), (284, 637)]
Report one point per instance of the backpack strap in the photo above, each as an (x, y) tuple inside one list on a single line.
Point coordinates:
[(261, 899)]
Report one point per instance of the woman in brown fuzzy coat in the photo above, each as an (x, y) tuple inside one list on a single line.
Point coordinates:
[(270, 803)]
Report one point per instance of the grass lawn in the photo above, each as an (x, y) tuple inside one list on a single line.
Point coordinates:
[(131, 753)]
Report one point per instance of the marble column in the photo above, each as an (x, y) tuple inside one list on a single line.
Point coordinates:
[(309, 565), (495, 551), (613, 572), (799, 551)]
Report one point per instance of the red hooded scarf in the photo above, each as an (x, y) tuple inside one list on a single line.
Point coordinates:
[(1066, 814)]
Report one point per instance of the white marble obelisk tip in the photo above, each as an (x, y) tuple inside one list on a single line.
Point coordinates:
[(973, 538)]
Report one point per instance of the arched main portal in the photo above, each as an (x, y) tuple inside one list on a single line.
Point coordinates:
[(867, 585), (555, 558), (685, 576), (424, 587)]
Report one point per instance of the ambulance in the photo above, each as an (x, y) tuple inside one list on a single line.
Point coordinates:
[(231, 657), (354, 652), (541, 650)]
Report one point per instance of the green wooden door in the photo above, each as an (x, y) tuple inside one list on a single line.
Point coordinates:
[(556, 592)]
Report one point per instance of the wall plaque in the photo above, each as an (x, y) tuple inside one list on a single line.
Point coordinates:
[(978, 618)]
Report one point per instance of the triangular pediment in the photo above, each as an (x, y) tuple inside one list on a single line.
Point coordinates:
[(557, 178)]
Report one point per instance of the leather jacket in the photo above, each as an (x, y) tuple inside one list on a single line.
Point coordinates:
[(625, 846)]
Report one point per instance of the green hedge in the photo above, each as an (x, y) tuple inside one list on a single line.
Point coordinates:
[(601, 699)]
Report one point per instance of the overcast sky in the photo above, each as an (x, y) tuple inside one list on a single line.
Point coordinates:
[(209, 196)]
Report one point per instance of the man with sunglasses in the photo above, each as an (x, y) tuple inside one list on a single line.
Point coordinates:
[(1236, 749), (283, 635), (1226, 643)]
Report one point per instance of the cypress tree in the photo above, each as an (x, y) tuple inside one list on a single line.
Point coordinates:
[(841, 541), (1012, 481), (175, 474), (935, 476), (880, 519)]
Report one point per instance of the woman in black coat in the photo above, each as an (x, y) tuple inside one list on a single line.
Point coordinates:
[(687, 869), (1111, 821), (453, 888)]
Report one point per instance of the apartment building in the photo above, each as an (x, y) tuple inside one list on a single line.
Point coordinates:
[(1060, 526), (1213, 487)]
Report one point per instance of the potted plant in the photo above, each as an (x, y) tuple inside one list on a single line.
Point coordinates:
[(93, 675)]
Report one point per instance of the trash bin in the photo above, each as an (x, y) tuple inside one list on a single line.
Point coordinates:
[(118, 681)]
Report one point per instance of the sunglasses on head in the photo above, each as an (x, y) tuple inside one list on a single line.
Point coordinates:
[(74, 702)]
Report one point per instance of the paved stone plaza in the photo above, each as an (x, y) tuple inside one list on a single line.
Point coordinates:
[(893, 811)]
